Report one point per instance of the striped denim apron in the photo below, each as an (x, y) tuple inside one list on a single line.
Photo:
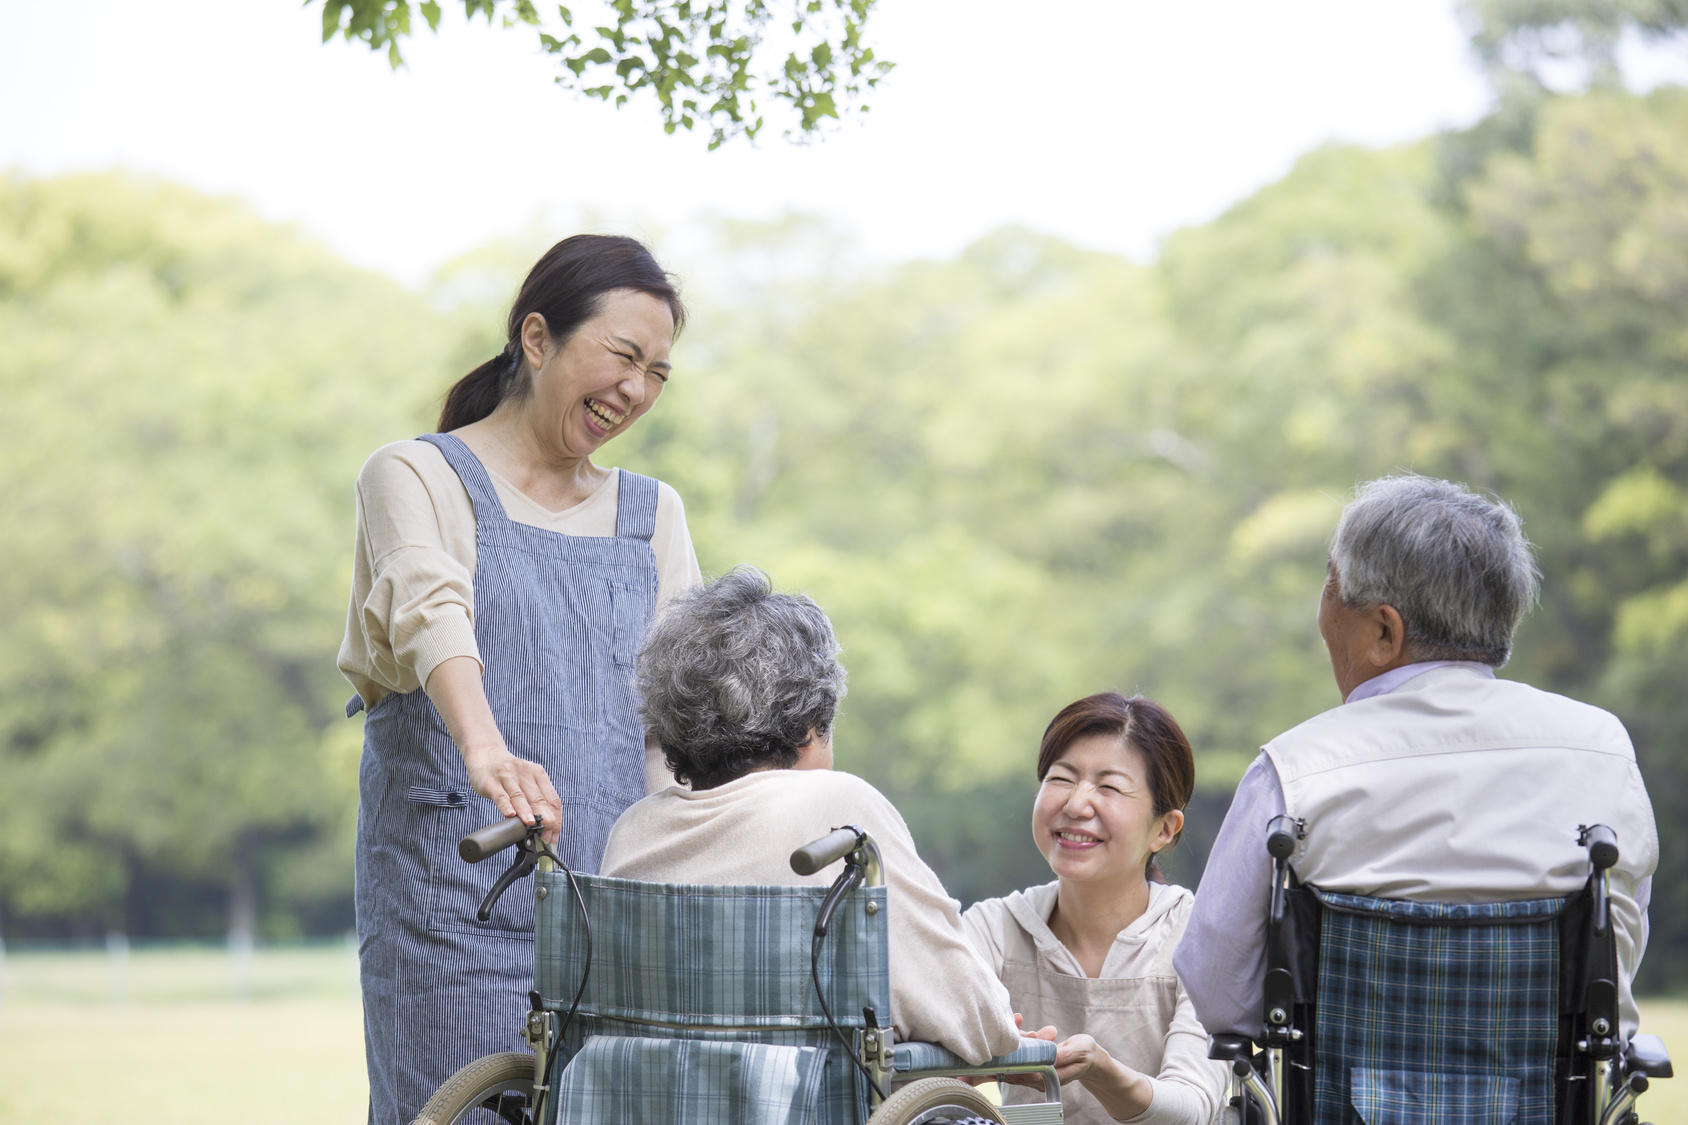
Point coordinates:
[(559, 619)]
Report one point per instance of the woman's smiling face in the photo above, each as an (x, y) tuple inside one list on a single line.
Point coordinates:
[(602, 378), (1094, 817)]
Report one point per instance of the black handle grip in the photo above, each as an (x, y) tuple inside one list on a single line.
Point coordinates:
[(1602, 844), (1281, 834), (491, 840), (835, 845)]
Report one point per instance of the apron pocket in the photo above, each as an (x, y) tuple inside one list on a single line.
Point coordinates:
[(629, 613), (442, 817)]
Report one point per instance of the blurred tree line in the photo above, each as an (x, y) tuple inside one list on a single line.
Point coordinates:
[(1012, 479)]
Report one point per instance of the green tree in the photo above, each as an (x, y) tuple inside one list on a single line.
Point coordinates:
[(1554, 44), (713, 63), (1013, 478), (189, 393)]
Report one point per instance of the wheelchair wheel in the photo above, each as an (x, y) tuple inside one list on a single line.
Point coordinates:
[(495, 1090), (929, 1101)]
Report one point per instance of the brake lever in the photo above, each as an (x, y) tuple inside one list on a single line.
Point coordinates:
[(524, 863)]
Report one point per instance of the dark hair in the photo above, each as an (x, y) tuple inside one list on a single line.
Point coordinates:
[(734, 677), (1139, 722), (566, 287)]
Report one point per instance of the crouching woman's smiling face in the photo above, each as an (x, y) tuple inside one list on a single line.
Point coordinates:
[(1094, 818)]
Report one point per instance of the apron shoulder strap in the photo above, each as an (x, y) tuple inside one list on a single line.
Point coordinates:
[(635, 511), (473, 475)]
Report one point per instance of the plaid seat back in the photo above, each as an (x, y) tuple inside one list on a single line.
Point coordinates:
[(1431, 1012), (717, 964)]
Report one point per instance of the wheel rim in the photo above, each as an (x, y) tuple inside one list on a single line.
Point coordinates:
[(501, 1106), (495, 1090)]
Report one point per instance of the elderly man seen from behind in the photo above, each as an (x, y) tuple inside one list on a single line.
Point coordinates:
[(1434, 780), (739, 685)]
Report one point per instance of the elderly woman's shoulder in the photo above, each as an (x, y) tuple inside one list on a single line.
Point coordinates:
[(839, 782), (844, 794)]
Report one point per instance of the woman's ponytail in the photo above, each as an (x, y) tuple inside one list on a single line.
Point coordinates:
[(478, 393)]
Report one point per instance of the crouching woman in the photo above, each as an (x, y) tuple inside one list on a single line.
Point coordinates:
[(1091, 952)]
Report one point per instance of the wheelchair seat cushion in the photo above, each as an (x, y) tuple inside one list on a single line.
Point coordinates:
[(631, 1080)]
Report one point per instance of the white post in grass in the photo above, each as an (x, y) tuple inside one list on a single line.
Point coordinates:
[(241, 945), (117, 966)]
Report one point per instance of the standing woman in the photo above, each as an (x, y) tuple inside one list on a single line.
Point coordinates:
[(502, 583), (1091, 952)]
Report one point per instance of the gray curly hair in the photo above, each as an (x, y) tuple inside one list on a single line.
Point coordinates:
[(734, 677), (1456, 565)]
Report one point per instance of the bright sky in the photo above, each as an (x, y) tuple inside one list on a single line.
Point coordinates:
[(1108, 122)]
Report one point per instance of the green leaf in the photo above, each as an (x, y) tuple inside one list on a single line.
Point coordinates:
[(331, 18)]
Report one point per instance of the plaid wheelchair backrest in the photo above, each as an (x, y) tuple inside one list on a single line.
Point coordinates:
[(702, 999), (1429, 1012)]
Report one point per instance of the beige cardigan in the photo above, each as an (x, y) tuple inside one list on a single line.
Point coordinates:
[(745, 831)]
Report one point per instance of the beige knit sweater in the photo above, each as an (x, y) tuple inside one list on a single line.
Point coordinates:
[(745, 831)]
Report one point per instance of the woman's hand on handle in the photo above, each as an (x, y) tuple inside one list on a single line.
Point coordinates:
[(518, 787)]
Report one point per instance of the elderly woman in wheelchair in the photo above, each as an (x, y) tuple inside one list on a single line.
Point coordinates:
[(710, 973)]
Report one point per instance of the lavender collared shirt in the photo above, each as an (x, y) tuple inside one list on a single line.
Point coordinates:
[(1222, 957)]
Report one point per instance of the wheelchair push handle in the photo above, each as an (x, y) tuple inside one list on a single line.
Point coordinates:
[(492, 839), (834, 846), (1282, 832), (1602, 845)]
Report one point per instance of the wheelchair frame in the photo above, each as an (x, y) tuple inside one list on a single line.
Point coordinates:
[(1611, 1073)]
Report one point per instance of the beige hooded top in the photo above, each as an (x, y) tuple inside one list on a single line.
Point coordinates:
[(1137, 1009), (745, 831)]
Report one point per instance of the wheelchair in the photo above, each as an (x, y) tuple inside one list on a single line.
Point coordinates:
[(1387, 1010), (759, 1005)]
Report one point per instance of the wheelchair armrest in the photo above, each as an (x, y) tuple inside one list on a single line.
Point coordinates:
[(916, 1056), (1646, 1054), (1228, 1047)]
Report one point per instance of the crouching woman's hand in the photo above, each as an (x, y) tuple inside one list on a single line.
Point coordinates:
[(1123, 1092)]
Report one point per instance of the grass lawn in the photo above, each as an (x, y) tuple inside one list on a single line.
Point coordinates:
[(174, 1035), (164, 1036)]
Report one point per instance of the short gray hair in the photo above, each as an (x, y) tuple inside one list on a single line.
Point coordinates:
[(1455, 565), (734, 677)]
